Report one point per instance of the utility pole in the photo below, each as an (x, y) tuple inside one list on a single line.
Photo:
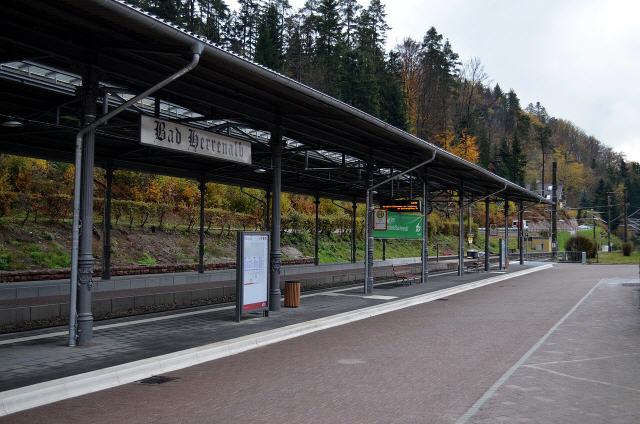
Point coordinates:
[(608, 222), (554, 211), (593, 217), (542, 176), (624, 213)]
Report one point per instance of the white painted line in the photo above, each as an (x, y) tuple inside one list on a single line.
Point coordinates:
[(588, 380), (573, 361), (362, 296), (36, 337), (22, 398), (493, 389), (176, 315)]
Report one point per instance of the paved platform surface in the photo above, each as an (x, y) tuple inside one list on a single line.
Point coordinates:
[(556, 346), (120, 341), (586, 371)]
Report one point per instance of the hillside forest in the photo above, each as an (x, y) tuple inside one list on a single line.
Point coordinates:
[(338, 46)]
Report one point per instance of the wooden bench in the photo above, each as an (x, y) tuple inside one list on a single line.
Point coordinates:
[(405, 273)]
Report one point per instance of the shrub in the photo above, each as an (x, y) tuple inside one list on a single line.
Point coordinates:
[(147, 260), (52, 257), (626, 248), (581, 244), (5, 260), (7, 202), (58, 206)]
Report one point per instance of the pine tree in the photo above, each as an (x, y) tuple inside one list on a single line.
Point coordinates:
[(512, 111), (392, 106), (438, 63), (497, 92), (245, 28), (503, 160), (349, 10), (348, 60), (215, 21), (484, 147), (269, 49), (365, 84), (328, 44), (518, 161)]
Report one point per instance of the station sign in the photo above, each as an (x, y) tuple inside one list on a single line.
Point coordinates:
[(407, 226), (185, 139), (252, 273), (380, 219), (402, 205)]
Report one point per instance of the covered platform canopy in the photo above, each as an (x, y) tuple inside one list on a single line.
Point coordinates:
[(132, 50), (67, 66)]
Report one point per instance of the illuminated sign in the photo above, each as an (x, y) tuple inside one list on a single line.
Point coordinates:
[(401, 205)]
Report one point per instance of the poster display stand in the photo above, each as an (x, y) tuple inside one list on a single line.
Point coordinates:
[(252, 273)]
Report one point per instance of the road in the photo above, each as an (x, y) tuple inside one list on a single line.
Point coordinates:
[(425, 364)]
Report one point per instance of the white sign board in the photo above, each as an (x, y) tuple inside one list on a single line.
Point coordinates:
[(252, 272), (170, 135), (380, 219)]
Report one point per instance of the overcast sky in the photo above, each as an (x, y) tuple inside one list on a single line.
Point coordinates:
[(579, 58)]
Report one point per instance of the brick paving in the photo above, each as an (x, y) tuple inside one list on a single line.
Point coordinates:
[(29, 362)]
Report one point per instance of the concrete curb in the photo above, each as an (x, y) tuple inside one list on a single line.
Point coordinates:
[(27, 397)]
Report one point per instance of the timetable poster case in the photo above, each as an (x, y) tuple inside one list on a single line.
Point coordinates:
[(252, 273)]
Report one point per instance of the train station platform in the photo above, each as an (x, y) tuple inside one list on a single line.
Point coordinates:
[(32, 304), (39, 368)]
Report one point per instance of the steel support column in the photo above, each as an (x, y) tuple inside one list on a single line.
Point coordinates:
[(106, 225), (316, 233), (276, 186), (425, 229), (461, 230), (88, 132), (368, 256), (354, 206), (203, 189), (85, 255), (521, 232), (506, 232), (487, 234)]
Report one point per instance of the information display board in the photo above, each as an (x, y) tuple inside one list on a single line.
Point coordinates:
[(401, 205), (252, 272), (406, 226)]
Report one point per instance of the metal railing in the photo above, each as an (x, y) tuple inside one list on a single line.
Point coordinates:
[(564, 256)]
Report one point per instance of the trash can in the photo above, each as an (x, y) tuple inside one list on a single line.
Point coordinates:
[(291, 294)]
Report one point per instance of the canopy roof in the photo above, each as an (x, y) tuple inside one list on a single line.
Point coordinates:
[(46, 46)]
